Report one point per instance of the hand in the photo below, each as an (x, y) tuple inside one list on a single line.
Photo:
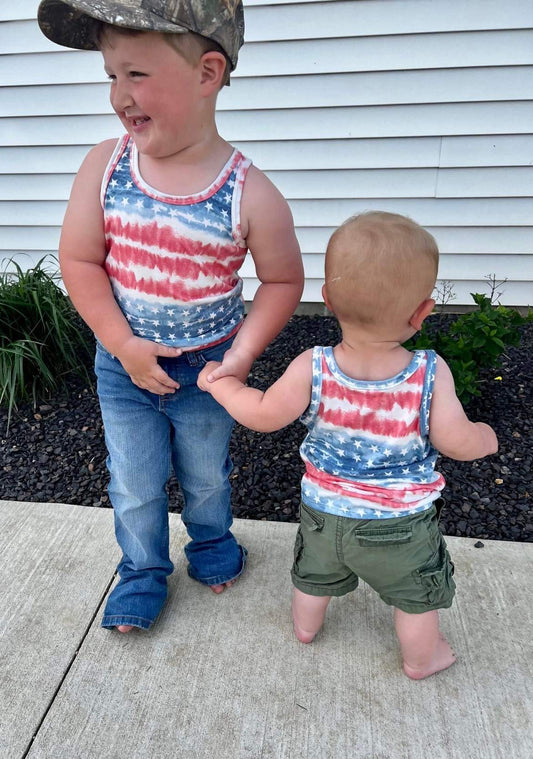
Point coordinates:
[(202, 382), (236, 363), (139, 359)]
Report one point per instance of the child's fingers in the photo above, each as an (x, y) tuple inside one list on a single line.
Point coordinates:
[(214, 370), (168, 351)]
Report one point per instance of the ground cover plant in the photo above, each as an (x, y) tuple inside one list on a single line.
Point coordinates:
[(41, 338)]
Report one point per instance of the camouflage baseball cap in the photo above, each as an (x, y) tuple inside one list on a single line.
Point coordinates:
[(71, 22)]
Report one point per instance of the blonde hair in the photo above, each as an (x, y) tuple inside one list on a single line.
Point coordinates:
[(189, 45), (379, 268)]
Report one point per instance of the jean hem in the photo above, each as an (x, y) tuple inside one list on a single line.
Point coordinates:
[(125, 619), (220, 579)]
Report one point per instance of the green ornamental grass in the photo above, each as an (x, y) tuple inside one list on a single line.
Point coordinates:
[(42, 339)]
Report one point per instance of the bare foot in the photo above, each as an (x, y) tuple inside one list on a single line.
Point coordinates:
[(443, 658), (221, 588), (302, 635), (124, 628)]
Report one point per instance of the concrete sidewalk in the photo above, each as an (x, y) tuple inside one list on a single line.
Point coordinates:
[(223, 677)]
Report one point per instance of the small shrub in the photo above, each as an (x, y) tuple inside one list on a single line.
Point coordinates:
[(42, 339), (474, 341)]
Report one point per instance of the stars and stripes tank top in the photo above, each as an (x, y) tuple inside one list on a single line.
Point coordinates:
[(173, 261), (367, 454)]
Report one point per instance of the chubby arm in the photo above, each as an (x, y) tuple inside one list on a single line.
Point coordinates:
[(268, 227), (278, 406), (450, 430), (82, 253)]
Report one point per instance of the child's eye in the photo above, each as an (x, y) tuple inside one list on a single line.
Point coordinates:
[(136, 74)]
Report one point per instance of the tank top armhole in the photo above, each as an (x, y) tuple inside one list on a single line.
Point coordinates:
[(111, 165), (309, 416), (427, 391), (240, 177)]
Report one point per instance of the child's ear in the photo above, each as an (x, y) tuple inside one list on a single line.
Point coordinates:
[(212, 70), (423, 310), (325, 298)]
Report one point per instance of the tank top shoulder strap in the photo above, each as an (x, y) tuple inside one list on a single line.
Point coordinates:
[(240, 166), (430, 358), (118, 152), (310, 414)]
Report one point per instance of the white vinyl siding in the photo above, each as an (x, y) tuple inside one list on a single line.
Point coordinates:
[(422, 107)]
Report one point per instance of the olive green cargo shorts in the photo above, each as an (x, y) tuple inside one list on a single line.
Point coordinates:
[(404, 559)]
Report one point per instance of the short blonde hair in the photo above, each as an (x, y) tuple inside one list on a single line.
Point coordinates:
[(189, 45), (379, 268)]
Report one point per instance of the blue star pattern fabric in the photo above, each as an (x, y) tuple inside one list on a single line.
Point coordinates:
[(173, 261), (368, 454)]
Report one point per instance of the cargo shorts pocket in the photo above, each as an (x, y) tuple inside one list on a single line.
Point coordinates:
[(311, 519), (311, 522), (437, 580), (386, 537)]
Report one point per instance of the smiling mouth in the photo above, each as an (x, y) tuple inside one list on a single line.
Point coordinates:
[(139, 121)]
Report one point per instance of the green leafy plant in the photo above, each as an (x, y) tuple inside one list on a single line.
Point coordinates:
[(42, 339), (474, 341)]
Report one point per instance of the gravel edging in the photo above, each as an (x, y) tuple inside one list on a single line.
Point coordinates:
[(56, 453)]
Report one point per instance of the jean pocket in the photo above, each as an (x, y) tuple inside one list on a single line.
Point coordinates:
[(386, 537), (437, 578), (311, 518)]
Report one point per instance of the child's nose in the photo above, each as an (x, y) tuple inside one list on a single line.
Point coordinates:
[(120, 96)]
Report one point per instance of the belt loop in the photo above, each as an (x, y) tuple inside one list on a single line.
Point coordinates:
[(193, 357)]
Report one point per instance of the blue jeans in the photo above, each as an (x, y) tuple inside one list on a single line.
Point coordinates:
[(147, 435)]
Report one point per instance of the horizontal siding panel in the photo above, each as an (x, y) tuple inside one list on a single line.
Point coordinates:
[(380, 88), (45, 213), (405, 183), (355, 183), (451, 240), (457, 267), (442, 212), (22, 9), (275, 155), (485, 183), (428, 212), (320, 20), (38, 238), (424, 51), (27, 259), (29, 159), (375, 17), (302, 184), (516, 293), (342, 123), (394, 17), (311, 91), (491, 150), (323, 56), (462, 241)]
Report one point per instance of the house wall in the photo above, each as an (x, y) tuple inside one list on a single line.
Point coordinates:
[(422, 107)]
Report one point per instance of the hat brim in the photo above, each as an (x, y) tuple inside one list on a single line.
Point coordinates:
[(71, 23)]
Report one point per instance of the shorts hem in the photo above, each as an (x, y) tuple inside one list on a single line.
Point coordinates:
[(312, 589), (417, 608)]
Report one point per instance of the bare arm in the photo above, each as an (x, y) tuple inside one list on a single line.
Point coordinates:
[(269, 230), (280, 405), (82, 255), (450, 430)]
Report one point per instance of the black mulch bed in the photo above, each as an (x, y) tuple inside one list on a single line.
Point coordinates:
[(56, 452)]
